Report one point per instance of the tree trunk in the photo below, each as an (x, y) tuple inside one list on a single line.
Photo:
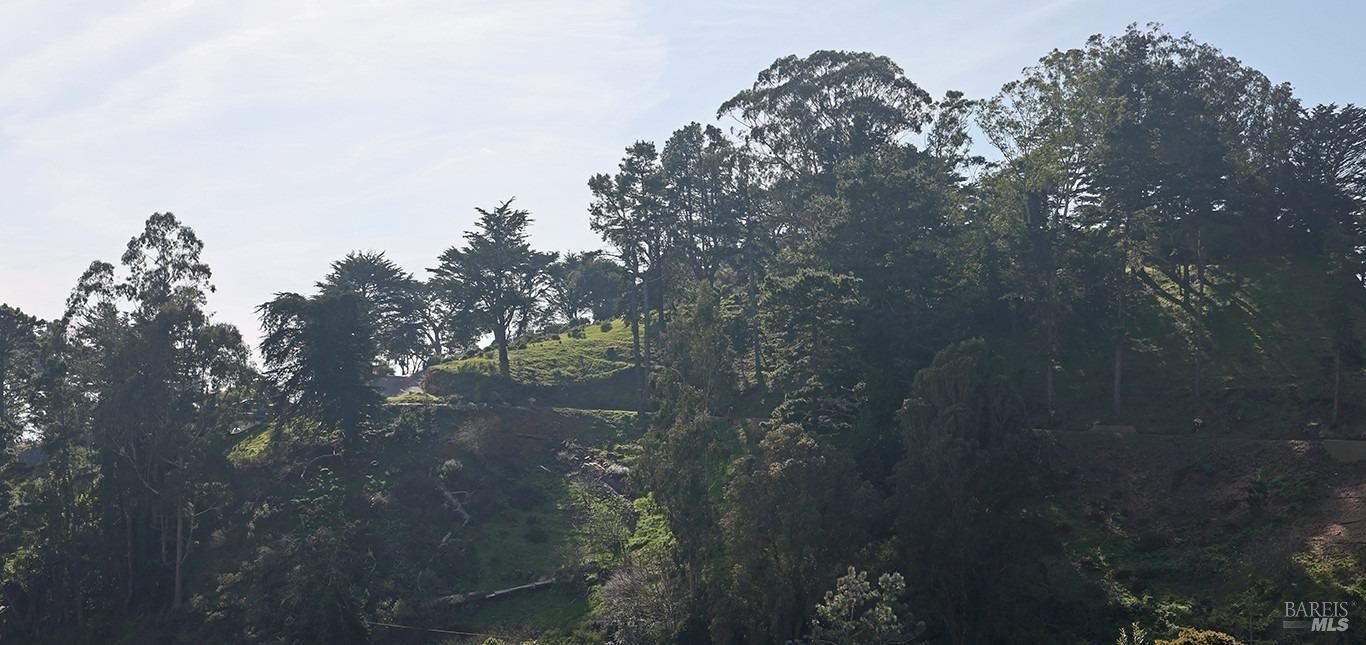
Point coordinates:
[(634, 313), (1050, 392), (500, 337), (1197, 373), (1050, 387), (645, 366), (179, 551), (757, 332), (1337, 385), (1118, 376), (1199, 310), (165, 527), (4, 369), (1121, 329), (128, 558), (659, 298)]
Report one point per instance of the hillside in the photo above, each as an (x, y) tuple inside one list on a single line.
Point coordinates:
[(465, 501), (586, 352), (461, 504), (1079, 361), (588, 366), (1267, 371), (1210, 531), (1175, 528)]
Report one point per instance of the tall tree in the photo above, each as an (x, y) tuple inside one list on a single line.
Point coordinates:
[(170, 383), (393, 304), (624, 212), (1183, 172), (809, 113), (18, 364), (63, 566), (701, 191), (496, 276), (579, 282), (807, 327), (794, 511), (1047, 126), (319, 355), (963, 494), (1329, 161)]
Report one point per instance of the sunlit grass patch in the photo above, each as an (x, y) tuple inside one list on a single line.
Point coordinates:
[(583, 353)]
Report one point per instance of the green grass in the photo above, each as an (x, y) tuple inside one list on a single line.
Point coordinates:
[(604, 428), (515, 543), (558, 360), (251, 448), (558, 607), (527, 524), (1334, 569), (411, 398), (652, 528)]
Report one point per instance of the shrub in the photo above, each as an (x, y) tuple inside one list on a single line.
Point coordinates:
[(612, 353), (606, 326), (1133, 635), (1192, 636), (859, 611), (642, 601), (450, 467)]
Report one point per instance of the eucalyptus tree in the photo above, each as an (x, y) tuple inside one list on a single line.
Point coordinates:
[(18, 364), (625, 211), (1330, 211), (807, 114), (1047, 127), (168, 384), (59, 565), (1190, 167), (840, 179)]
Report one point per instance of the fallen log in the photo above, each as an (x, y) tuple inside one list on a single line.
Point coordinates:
[(462, 598)]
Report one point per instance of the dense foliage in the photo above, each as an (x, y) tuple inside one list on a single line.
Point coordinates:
[(851, 333)]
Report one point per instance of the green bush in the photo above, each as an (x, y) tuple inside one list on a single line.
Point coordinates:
[(1192, 636)]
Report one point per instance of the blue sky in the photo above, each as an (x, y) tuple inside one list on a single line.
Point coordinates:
[(288, 133)]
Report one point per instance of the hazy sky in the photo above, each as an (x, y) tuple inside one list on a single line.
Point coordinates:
[(288, 133)]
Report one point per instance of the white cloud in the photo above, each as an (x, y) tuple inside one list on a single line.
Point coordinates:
[(289, 132)]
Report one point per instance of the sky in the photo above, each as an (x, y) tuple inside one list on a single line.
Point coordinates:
[(289, 133)]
